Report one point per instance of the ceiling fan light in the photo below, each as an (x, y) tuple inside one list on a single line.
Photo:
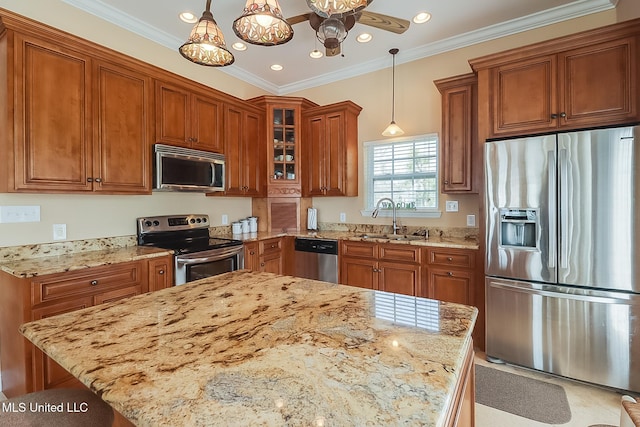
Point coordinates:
[(262, 23), (337, 8), (393, 130), (332, 30), (206, 45)]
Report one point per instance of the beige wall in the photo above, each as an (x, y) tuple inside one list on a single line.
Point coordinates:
[(417, 111)]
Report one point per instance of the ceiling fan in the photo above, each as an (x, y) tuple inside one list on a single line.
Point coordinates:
[(332, 30)]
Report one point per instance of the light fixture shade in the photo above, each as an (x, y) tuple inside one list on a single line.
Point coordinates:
[(331, 33), (337, 8), (393, 130), (206, 45), (262, 23)]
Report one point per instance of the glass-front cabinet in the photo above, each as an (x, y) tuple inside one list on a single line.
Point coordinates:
[(284, 162)]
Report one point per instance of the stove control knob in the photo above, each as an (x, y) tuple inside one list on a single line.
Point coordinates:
[(156, 223), (204, 220), (198, 220), (147, 223), (192, 220)]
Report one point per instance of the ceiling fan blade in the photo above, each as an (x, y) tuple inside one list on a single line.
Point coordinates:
[(384, 22), (299, 18), (332, 51)]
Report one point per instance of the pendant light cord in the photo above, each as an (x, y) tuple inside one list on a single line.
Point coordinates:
[(393, 84)]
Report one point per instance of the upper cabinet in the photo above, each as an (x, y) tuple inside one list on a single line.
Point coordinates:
[(330, 150), (188, 118), (588, 79), (459, 133), (79, 123)]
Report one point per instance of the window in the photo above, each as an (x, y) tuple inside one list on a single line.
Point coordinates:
[(405, 170)]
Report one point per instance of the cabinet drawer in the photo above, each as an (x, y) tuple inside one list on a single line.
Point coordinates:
[(359, 249), (459, 258), (91, 281), (270, 246), (397, 252)]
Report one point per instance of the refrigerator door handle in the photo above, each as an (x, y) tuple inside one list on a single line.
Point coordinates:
[(563, 223), (551, 159), (575, 297)]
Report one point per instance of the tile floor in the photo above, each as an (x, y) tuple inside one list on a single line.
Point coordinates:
[(589, 405)]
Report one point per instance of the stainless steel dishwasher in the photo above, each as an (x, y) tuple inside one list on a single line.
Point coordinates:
[(316, 259)]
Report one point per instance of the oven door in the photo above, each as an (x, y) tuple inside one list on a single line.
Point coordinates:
[(199, 265)]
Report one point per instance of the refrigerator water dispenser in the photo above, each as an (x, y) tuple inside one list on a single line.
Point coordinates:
[(518, 228)]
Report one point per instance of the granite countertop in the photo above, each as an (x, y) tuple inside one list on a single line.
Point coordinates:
[(249, 348), (39, 266)]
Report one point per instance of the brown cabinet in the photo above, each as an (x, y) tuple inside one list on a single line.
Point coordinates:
[(588, 79), (27, 369), (79, 123), (244, 151), (188, 117), (381, 266), (265, 255), (330, 150), (459, 133), (450, 275)]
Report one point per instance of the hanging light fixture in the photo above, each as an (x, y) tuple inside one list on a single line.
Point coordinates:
[(262, 23), (337, 8), (393, 129), (205, 45)]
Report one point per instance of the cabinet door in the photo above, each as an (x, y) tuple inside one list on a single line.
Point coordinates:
[(399, 278), (451, 285), (117, 295), (122, 128), (47, 373), (172, 114), (524, 96), (253, 158), (52, 117), (334, 162), (597, 84), (160, 273), (251, 256), (271, 263), (458, 136), (314, 151), (206, 124), (233, 150), (359, 272)]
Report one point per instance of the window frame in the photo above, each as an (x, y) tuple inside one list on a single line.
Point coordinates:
[(368, 181)]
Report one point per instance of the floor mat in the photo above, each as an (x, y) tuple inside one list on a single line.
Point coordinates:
[(518, 395)]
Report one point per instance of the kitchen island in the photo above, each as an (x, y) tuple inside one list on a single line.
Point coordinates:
[(249, 348)]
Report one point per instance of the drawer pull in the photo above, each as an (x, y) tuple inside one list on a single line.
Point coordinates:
[(94, 282), (450, 273), (449, 259), (161, 272), (274, 246), (252, 252)]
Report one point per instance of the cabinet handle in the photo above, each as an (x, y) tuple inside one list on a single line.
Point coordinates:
[(252, 252), (449, 259), (262, 264), (89, 179), (450, 273), (94, 282), (161, 272), (554, 116), (563, 115), (274, 246), (98, 179), (446, 182)]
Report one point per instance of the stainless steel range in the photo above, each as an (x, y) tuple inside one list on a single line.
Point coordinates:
[(197, 255)]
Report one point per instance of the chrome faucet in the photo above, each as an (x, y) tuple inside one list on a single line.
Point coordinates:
[(375, 212)]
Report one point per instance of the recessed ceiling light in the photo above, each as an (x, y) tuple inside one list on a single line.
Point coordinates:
[(277, 67), (188, 17), (239, 46), (315, 54), (422, 17), (364, 38)]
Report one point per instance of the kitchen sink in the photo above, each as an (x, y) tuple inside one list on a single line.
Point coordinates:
[(398, 237)]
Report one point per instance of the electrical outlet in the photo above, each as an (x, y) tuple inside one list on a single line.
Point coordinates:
[(471, 220), (10, 214), (59, 231), (451, 206), (343, 217), (225, 219)]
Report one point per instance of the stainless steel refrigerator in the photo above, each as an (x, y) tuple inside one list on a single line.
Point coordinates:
[(562, 264)]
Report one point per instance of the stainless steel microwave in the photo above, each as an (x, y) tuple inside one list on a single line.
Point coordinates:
[(184, 169)]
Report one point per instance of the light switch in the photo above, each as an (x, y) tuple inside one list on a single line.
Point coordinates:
[(10, 214), (225, 219), (451, 206), (59, 231), (471, 220), (343, 217)]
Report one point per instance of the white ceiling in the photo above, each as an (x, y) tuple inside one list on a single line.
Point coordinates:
[(455, 24)]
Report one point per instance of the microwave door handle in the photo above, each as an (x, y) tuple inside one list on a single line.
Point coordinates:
[(551, 215)]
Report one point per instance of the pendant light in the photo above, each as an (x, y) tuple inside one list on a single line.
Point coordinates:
[(393, 129), (337, 8), (262, 23), (205, 45)]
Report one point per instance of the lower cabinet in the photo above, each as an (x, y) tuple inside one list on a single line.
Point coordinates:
[(24, 367), (381, 266), (450, 275), (264, 255)]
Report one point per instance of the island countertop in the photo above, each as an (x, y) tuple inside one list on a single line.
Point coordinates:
[(249, 348)]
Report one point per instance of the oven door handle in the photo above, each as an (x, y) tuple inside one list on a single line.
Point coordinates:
[(222, 254)]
